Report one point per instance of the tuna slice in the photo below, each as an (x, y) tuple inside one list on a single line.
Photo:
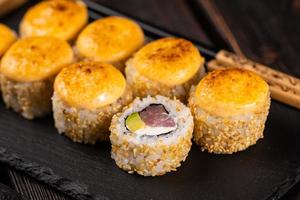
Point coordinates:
[(155, 115)]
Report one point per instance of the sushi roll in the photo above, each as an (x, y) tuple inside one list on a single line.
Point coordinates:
[(58, 18), (86, 96), (111, 40), (28, 69), (167, 67), (7, 38), (152, 136), (230, 108)]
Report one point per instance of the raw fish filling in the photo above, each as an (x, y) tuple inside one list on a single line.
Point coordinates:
[(153, 120)]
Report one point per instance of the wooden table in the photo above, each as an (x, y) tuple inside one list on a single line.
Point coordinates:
[(263, 30)]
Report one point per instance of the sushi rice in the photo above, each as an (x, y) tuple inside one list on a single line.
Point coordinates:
[(152, 155)]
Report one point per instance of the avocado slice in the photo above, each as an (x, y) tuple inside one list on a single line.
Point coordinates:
[(134, 122)]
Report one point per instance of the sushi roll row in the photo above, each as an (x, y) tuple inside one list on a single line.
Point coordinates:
[(103, 83)]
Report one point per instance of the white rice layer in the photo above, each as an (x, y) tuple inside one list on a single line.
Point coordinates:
[(25, 97)]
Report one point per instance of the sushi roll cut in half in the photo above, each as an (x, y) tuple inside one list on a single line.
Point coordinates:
[(28, 70), (152, 136), (7, 38), (86, 96), (62, 19), (111, 40), (167, 67), (230, 108)]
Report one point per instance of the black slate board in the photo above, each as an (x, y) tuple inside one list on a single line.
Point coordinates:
[(87, 172), (7, 193)]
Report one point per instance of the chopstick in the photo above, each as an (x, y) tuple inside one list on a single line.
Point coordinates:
[(7, 5), (284, 88)]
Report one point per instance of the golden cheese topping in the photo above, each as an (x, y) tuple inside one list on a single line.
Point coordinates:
[(59, 18), (90, 84), (110, 39), (231, 91), (36, 58), (7, 37), (171, 61)]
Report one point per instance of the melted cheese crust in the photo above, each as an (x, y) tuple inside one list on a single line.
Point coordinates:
[(171, 61), (90, 84), (7, 37), (231, 91), (110, 39), (59, 18), (36, 58)]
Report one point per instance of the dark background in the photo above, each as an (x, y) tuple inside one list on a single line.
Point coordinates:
[(266, 31)]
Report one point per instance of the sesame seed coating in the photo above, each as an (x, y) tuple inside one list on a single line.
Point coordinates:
[(149, 160), (26, 98), (152, 157), (86, 125), (227, 135)]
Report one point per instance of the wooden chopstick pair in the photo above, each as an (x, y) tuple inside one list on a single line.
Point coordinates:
[(8, 5)]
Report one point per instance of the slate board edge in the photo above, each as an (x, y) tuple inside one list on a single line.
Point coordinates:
[(9, 194), (80, 191), (286, 185), (46, 175)]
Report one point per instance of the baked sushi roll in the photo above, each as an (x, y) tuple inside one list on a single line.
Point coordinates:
[(167, 67), (152, 136), (28, 69), (111, 40), (58, 18), (230, 107), (86, 96), (7, 38)]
